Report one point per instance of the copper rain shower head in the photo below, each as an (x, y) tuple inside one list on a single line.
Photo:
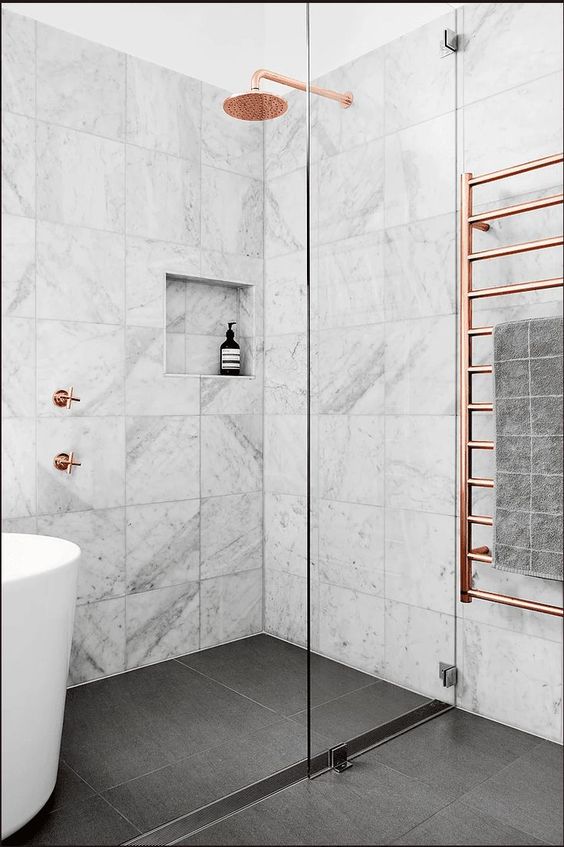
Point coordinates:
[(258, 105)]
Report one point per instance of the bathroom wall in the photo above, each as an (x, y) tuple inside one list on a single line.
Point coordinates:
[(384, 297), (116, 171)]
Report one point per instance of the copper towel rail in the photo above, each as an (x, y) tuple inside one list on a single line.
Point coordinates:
[(468, 406)]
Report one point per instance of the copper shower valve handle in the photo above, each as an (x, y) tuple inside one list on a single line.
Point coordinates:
[(65, 462), (64, 399)]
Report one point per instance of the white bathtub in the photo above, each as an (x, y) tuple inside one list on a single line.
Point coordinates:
[(38, 598)]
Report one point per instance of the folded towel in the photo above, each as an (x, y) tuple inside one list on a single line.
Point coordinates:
[(528, 454)]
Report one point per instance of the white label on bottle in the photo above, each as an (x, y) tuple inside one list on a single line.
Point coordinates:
[(231, 359)]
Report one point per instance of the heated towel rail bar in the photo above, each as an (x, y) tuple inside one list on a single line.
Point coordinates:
[(468, 407)]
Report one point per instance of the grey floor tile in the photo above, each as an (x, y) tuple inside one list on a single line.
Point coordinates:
[(526, 794), (455, 751), (70, 788), (124, 726), (361, 710), (90, 822), (458, 824), (156, 798), (274, 673)]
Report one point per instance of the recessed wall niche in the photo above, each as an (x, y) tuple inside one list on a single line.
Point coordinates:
[(197, 313)]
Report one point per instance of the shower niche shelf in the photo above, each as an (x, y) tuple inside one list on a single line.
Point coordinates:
[(197, 311)]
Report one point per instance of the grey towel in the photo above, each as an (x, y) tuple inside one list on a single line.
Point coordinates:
[(528, 419)]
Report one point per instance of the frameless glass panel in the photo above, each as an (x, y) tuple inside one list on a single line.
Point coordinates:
[(383, 342)]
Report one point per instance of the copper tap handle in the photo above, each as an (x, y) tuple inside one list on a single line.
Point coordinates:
[(64, 398), (65, 462)]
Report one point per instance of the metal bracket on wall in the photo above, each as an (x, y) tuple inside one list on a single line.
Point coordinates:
[(449, 42), (448, 674), (339, 759)]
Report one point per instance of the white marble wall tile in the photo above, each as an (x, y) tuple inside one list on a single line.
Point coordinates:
[(147, 390), (18, 63), (532, 47), (334, 129), (18, 468), (351, 627), (98, 647), (350, 282), (231, 213), (88, 356), (80, 84), (162, 623), (231, 396), (18, 368), (233, 267), (80, 274), (421, 366), (208, 308), (285, 137), (284, 214), (420, 269), (285, 294), (420, 557), (175, 305), (100, 534), (420, 463), (420, 163), (229, 144), (351, 193), (98, 443), (163, 109), (26, 526), (351, 371), (162, 544), (163, 197), (416, 641), (162, 459), (496, 136), (202, 354), (351, 546), (231, 455), (147, 264), (285, 375), (231, 607), (175, 353), (420, 82), (285, 454), (351, 458), (18, 266), (231, 534), (18, 165), (285, 533), (497, 662), (285, 606), (80, 179)]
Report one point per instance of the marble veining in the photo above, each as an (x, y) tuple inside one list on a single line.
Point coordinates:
[(228, 144), (351, 371), (351, 458), (285, 454), (162, 458), (98, 647), (285, 606), (231, 460), (18, 368), (67, 66), (351, 546), (18, 164), (18, 468), (162, 623), (162, 544), (18, 266), (351, 627), (100, 534), (230, 607), (285, 533), (18, 63), (231, 213), (284, 214), (285, 374), (285, 294), (231, 534)]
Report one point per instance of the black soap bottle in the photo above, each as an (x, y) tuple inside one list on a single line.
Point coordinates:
[(230, 354)]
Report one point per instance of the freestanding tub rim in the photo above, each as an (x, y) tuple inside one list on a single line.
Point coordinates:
[(27, 556)]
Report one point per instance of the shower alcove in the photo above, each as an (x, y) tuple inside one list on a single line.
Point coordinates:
[(197, 311)]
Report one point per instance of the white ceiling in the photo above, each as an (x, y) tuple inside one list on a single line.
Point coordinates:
[(223, 43)]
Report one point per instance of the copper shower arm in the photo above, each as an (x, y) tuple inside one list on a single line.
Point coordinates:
[(345, 99)]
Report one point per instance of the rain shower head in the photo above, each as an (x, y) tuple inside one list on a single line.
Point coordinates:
[(255, 106), (258, 105)]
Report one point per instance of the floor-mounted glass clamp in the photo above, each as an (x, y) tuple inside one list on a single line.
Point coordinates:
[(339, 759)]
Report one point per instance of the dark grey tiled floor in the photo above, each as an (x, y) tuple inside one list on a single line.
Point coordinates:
[(480, 784), (144, 747)]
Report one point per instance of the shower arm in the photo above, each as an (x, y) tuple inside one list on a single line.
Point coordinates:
[(345, 99)]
